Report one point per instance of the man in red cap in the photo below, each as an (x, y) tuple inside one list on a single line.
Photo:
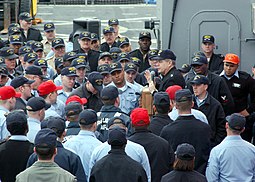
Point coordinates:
[(7, 103), (48, 91), (159, 152), (242, 87), (76, 98)]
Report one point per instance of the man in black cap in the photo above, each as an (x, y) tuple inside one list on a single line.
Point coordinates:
[(23, 85), (50, 34), (166, 67), (95, 42), (159, 152), (233, 148), (28, 32), (109, 36), (184, 69), (36, 107), (114, 53), (15, 152), (187, 129), (111, 101), (115, 24), (217, 86), (72, 111), (131, 73), (215, 60), (38, 49), (105, 58), (22, 51), (85, 142), (66, 159), (16, 42), (161, 107), (124, 44), (4, 79), (34, 73), (91, 91), (104, 70), (58, 48), (29, 59), (85, 47), (80, 65), (184, 166), (213, 110), (10, 61), (123, 58), (142, 53), (45, 168), (117, 165)]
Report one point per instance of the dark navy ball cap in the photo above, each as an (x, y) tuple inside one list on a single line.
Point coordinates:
[(161, 98), (49, 27), (16, 116), (117, 136), (57, 124), (96, 79), (199, 60), (185, 151), (46, 138), (236, 121), (109, 93), (88, 116), (19, 81), (183, 95), (36, 104)]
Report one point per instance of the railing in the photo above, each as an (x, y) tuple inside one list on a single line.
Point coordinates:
[(94, 2)]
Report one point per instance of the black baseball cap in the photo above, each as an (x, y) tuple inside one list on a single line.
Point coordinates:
[(69, 56), (24, 50), (78, 63), (14, 31), (34, 70), (185, 68), (16, 39), (103, 69), (29, 57), (69, 71), (57, 124), (208, 39), (58, 62), (25, 16), (85, 35), (153, 53), (109, 93), (185, 152), (144, 34), (94, 36), (58, 42), (200, 79), (3, 69), (17, 117), (117, 136), (36, 104), (8, 53), (183, 95), (104, 54), (130, 67), (115, 67), (123, 41), (108, 29), (87, 116), (96, 79), (116, 120), (165, 54), (123, 56), (199, 60), (41, 63), (73, 108), (161, 98), (37, 46), (49, 27), (113, 21), (19, 81), (236, 121), (136, 61), (46, 138)]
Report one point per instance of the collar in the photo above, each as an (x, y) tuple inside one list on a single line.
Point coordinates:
[(4, 109), (236, 74), (19, 137), (117, 151), (198, 102), (87, 133), (233, 137), (33, 120)]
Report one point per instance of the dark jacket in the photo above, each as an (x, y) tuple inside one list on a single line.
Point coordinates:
[(20, 104), (104, 47), (158, 122), (183, 176), (173, 77), (94, 100), (159, 152), (67, 160), (13, 158), (218, 88), (104, 115), (32, 34), (188, 129), (117, 166), (143, 57), (216, 118), (73, 128), (92, 58), (216, 62)]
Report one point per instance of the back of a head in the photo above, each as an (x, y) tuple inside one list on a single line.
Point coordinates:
[(183, 99), (57, 124), (140, 118), (162, 102), (16, 122), (72, 111), (236, 123), (87, 119), (117, 137), (109, 95)]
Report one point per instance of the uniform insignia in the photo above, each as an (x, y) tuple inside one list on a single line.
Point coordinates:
[(236, 85)]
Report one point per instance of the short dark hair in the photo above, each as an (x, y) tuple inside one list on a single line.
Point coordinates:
[(183, 165), (17, 128), (185, 105), (162, 109), (87, 127), (44, 153)]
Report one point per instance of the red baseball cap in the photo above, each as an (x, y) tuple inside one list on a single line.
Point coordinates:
[(48, 87), (7, 92), (140, 117), (76, 98), (171, 91)]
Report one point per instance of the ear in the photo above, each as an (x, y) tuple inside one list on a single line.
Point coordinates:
[(34, 150), (154, 108)]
